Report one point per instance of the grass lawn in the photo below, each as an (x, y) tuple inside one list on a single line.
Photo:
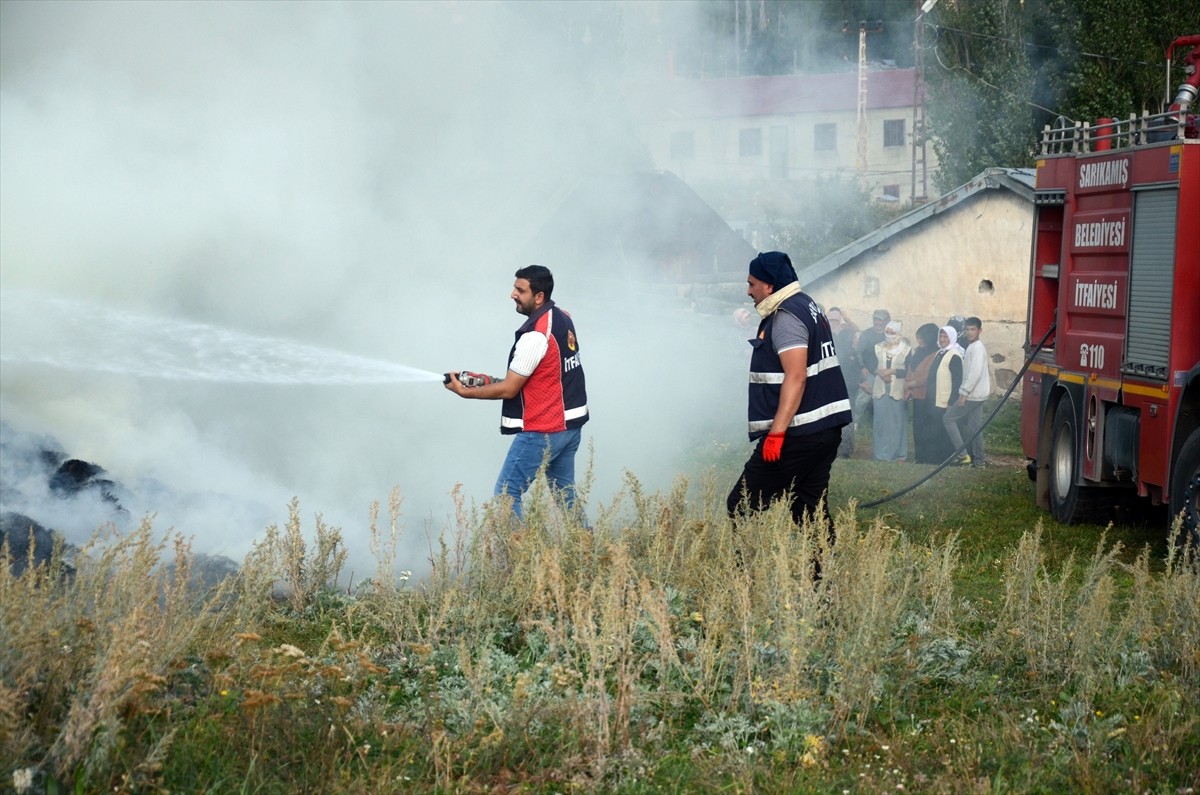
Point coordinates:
[(990, 508)]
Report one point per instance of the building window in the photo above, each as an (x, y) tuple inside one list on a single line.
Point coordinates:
[(825, 137), (893, 132), (683, 145), (750, 142), (891, 192)]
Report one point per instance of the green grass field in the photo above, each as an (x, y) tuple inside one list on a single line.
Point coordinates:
[(959, 640), (991, 509)]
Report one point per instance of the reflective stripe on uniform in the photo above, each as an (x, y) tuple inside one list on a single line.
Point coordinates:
[(519, 424), (828, 363), (805, 418)]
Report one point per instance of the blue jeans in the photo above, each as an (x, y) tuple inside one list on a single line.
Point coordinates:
[(525, 457)]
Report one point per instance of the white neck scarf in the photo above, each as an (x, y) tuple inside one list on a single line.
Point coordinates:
[(769, 304)]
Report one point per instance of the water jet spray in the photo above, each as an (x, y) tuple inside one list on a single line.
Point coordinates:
[(80, 336)]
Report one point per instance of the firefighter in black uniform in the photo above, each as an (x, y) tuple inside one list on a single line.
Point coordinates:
[(798, 399)]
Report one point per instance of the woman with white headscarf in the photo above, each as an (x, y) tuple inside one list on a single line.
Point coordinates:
[(945, 378), (890, 431)]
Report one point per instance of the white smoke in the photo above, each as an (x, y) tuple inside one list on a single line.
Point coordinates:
[(358, 177)]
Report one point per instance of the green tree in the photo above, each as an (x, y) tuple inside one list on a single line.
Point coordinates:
[(1105, 58), (980, 83), (1001, 69)]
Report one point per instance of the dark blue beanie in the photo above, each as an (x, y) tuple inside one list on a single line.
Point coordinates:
[(774, 268)]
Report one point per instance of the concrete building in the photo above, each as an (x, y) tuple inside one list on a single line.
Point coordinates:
[(788, 127), (967, 254)]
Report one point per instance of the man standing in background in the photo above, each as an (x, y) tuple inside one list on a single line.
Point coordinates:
[(867, 341), (797, 402), (968, 409), (545, 398)]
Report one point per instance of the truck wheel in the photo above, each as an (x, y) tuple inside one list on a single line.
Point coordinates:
[(1185, 491), (1069, 502)]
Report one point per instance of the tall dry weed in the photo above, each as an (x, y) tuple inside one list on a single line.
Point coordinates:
[(285, 562), (1094, 635), (1076, 625), (873, 584), (1177, 606), (80, 656), (1034, 619), (543, 650), (384, 544)]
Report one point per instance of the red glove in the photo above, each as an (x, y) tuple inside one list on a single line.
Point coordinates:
[(773, 447)]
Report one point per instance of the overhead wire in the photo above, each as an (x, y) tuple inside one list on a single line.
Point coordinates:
[(1099, 56), (937, 54), (937, 27)]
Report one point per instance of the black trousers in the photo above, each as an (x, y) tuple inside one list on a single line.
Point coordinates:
[(929, 434), (802, 469)]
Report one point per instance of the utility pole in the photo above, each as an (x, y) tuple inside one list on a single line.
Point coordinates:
[(737, 39), (860, 155), (918, 132)]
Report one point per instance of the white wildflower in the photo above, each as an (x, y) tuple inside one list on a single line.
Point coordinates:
[(22, 780)]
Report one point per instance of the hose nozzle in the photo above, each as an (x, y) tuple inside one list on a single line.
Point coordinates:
[(467, 378)]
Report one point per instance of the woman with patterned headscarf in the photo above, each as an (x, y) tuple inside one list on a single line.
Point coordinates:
[(890, 431)]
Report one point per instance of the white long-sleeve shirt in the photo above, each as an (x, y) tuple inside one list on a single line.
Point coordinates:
[(976, 383)]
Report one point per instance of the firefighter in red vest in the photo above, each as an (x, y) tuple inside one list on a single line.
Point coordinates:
[(544, 395)]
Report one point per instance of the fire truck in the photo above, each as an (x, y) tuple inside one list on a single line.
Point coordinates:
[(1111, 396)]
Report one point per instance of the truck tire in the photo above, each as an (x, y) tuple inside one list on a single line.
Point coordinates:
[(1069, 502), (1185, 491)]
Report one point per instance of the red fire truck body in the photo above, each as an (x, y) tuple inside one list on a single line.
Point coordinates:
[(1111, 402)]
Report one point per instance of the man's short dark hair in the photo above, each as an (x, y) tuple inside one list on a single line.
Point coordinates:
[(540, 279), (973, 321)]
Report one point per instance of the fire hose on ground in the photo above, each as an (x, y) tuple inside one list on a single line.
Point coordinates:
[(953, 457)]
